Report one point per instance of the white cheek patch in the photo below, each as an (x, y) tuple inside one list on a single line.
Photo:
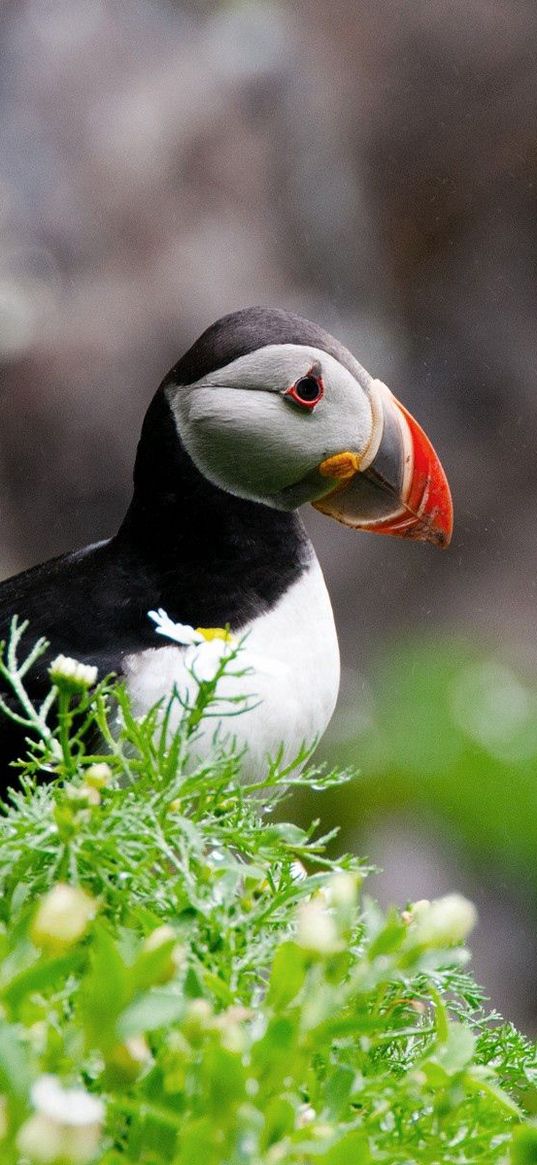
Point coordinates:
[(244, 444), (245, 438)]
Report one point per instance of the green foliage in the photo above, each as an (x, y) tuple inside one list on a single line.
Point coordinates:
[(451, 740), (221, 986)]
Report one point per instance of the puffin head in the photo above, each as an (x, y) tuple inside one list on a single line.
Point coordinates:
[(273, 409)]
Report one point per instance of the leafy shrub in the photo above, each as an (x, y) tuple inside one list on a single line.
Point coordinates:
[(183, 980)]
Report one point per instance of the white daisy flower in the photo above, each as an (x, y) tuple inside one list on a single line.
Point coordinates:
[(206, 646)]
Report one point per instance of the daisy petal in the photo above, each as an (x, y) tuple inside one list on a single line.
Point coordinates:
[(181, 633), (204, 661)]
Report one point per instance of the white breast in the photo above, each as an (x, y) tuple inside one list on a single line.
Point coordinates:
[(294, 680)]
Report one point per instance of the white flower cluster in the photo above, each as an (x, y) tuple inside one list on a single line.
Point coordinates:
[(65, 1127), (71, 675)]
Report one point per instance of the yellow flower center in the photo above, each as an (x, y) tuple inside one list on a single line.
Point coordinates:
[(215, 633)]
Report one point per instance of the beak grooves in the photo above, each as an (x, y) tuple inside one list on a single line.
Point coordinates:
[(402, 490)]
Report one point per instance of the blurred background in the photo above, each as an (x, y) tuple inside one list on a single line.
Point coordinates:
[(371, 164)]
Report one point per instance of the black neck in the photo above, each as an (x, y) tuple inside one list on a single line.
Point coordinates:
[(215, 558)]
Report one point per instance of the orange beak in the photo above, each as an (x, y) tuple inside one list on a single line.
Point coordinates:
[(397, 486)]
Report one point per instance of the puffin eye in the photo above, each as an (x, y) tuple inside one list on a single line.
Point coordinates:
[(307, 391)]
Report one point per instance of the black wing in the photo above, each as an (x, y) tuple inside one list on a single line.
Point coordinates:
[(91, 605)]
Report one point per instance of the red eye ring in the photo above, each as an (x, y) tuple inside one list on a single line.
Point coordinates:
[(307, 391)]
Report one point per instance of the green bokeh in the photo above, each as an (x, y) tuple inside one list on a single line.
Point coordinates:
[(446, 738)]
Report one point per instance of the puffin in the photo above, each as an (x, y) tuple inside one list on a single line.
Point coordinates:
[(264, 413)]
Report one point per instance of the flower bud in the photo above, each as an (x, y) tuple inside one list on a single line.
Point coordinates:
[(98, 776), (305, 1115), (341, 890), (126, 1060), (230, 1025), (442, 922), (198, 1021), (340, 894), (160, 937), (72, 676), (66, 1126), (62, 918), (82, 795), (316, 929)]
